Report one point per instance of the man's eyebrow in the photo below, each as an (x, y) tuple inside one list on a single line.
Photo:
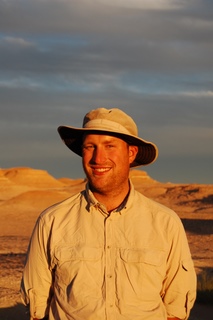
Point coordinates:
[(108, 139), (104, 142)]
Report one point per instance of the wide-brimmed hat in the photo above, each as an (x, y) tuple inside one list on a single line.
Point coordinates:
[(113, 122)]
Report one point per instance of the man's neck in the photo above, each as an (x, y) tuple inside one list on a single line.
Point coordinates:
[(112, 201)]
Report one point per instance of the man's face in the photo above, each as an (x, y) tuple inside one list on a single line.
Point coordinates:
[(106, 162)]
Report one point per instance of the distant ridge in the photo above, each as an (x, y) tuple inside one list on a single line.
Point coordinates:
[(25, 185), (29, 177), (42, 179)]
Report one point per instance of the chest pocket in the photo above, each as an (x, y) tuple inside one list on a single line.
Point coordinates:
[(74, 264), (144, 271), (78, 273)]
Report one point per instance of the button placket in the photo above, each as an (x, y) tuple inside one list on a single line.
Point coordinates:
[(109, 268)]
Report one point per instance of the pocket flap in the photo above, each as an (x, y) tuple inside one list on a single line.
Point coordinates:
[(76, 253), (152, 257)]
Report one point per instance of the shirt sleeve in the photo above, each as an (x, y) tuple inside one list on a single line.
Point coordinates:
[(179, 287), (37, 275)]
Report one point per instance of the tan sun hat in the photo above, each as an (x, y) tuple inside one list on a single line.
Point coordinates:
[(112, 122)]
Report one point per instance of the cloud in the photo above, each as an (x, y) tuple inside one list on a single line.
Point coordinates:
[(145, 4), (59, 58), (198, 94), (19, 83), (104, 18), (17, 42)]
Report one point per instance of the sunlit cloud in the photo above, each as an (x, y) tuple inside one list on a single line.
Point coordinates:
[(19, 82), (153, 59), (144, 4), (18, 42), (197, 94)]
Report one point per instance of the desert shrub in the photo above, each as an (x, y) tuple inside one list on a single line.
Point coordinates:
[(205, 286)]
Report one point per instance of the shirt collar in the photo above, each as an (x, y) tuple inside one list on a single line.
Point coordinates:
[(94, 203)]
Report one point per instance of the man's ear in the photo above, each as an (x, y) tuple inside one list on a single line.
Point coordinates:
[(133, 150)]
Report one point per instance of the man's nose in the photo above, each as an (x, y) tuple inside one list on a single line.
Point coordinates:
[(99, 155)]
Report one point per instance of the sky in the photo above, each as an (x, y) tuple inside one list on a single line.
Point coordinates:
[(153, 59)]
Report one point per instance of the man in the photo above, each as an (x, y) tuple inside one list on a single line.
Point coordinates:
[(108, 252)]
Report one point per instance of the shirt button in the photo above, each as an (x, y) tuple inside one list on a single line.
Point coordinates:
[(109, 276)]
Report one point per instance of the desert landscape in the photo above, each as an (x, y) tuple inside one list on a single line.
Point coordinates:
[(25, 192)]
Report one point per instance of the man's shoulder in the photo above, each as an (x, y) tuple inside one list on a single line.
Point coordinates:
[(155, 207), (63, 206)]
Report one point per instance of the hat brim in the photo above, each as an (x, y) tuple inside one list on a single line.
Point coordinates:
[(73, 138)]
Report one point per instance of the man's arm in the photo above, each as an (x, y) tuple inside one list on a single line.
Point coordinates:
[(180, 285), (37, 275)]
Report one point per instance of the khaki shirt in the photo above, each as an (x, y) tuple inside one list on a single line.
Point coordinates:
[(85, 264)]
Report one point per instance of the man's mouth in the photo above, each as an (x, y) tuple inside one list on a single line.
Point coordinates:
[(100, 170)]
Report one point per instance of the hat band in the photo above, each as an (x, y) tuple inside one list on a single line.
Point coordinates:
[(107, 125)]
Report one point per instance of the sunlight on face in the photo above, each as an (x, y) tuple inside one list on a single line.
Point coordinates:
[(106, 162)]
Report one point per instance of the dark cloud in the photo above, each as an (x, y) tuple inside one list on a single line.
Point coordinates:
[(60, 58), (102, 17)]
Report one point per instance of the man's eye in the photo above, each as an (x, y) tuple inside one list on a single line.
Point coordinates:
[(89, 147)]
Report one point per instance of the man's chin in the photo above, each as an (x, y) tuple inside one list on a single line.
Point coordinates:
[(98, 187)]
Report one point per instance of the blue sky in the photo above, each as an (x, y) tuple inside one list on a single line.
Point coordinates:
[(153, 59)]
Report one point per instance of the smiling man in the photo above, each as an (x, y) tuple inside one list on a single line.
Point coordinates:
[(108, 252), (106, 162)]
